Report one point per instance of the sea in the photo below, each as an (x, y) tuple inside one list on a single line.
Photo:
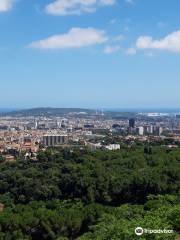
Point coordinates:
[(5, 110), (145, 110)]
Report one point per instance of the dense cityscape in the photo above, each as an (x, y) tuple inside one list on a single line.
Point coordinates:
[(25, 135)]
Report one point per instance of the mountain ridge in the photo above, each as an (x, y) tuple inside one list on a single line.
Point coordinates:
[(46, 111)]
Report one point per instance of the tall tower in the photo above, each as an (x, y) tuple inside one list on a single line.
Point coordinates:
[(131, 122)]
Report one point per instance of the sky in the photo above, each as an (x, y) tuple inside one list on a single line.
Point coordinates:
[(90, 53)]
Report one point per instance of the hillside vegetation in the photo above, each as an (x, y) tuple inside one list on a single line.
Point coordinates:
[(90, 195)]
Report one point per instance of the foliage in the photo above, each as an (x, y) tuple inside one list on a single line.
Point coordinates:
[(77, 194)]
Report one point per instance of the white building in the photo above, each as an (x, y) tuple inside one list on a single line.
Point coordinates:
[(140, 130), (150, 129), (113, 147)]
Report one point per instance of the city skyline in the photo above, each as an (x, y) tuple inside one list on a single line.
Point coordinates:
[(90, 54)]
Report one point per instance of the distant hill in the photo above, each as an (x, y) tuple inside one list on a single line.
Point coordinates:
[(62, 112), (48, 112)]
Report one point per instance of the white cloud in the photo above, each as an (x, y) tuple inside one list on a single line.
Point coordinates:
[(170, 43), (131, 51), (75, 7), (129, 1), (6, 5), (118, 38), (75, 38), (149, 54), (111, 49)]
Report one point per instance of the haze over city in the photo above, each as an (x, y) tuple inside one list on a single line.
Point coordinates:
[(101, 53)]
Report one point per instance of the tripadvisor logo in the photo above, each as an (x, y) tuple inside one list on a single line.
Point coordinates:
[(139, 231)]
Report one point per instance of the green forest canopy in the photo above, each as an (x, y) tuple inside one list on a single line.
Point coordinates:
[(90, 195)]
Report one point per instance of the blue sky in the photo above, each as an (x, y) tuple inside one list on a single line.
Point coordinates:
[(90, 53)]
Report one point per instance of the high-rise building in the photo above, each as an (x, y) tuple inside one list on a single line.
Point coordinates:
[(140, 130), (36, 124), (148, 129), (160, 130), (132, 123), (54, 140)]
